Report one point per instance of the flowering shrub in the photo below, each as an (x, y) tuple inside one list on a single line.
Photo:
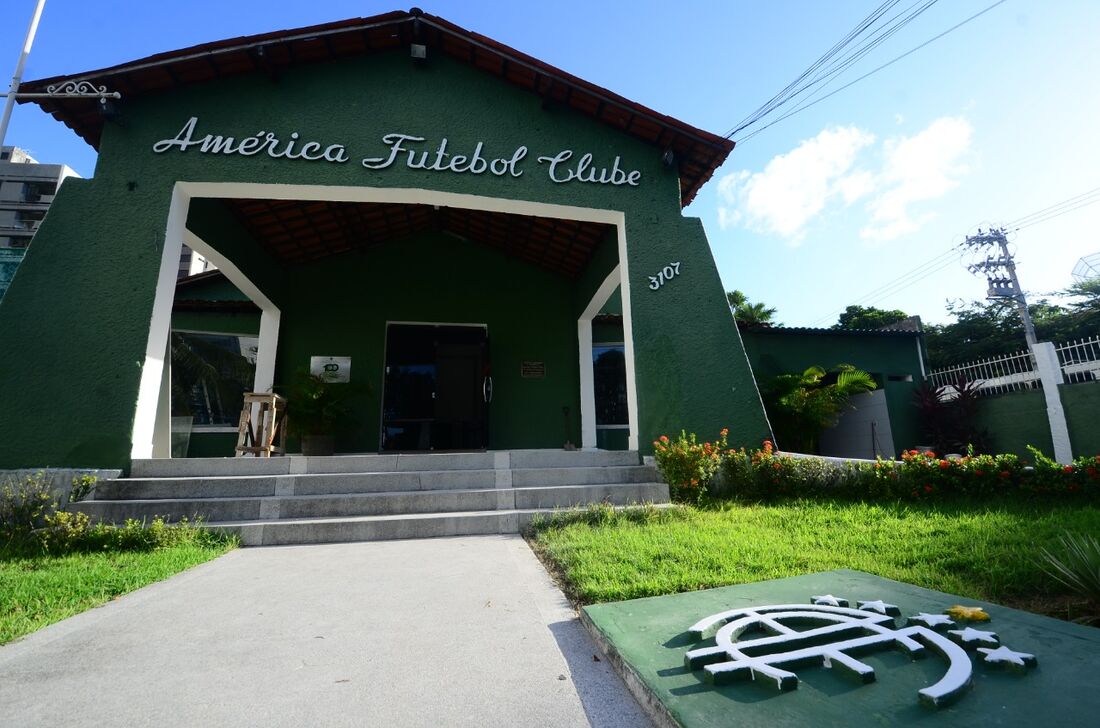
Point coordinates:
[(688, 465), (766, 474)]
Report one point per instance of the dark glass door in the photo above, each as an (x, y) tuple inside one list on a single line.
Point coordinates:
[(437, 388)]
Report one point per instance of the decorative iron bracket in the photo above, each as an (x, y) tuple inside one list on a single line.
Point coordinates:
[(73, 90)]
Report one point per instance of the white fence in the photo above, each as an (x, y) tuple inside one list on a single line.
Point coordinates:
[(1079, 361), (998, 375)]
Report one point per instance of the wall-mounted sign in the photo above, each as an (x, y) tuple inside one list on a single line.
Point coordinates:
[(332, 368), (665, 275), (532, 369), (409, 149)]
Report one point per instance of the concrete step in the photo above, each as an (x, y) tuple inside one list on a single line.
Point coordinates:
[(379, 528), (375, 463), (252, 486), (374, 528), (216, 509), (537, 477)]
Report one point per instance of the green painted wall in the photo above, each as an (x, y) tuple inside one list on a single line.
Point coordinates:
[(773, 352), (216, 322), (340, 306), (1081, 403), (1016, 420), (77, 316), (212, 288)]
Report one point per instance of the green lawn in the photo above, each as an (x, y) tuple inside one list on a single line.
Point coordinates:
[(981, 551), (39, 590)]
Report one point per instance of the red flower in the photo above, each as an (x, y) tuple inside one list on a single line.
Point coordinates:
[(664, 438), (1005, 474), (1067, 469), (944, 465), (929, 454), (979, 472), (927, 489)]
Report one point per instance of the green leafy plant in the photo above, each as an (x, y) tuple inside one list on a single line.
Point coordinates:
[(801, 406), (24, 506), (948, 416), (766, 474), (315, 405), (64, 531), (688, 465), (82, 487), (1076, 566)]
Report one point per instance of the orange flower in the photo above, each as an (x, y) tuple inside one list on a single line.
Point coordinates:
[(664, 438), (929, 454), (724, 431), (944, 465)]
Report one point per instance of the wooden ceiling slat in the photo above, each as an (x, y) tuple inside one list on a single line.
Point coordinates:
[(300, 232)]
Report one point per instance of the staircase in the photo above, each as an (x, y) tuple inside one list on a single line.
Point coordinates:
[(296, 500)]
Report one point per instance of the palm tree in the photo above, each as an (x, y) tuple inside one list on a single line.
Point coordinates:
[(750, 314), (801, 406)]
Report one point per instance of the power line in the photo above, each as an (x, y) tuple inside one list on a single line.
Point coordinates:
[(828, 61), (808, 103), (1062, 208), (1020, 220)]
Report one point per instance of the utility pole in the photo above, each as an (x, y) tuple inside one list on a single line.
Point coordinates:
[(1000, 271), (16, 79)]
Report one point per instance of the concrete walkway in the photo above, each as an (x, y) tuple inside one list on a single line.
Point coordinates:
[(440, 632)]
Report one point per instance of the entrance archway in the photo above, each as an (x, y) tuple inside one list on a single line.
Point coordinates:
[(151, 427)]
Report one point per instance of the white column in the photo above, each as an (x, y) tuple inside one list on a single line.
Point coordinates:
[(1050, 374), (162, 429), (584, 335), (160, 323), (588, 385), (267, 347)]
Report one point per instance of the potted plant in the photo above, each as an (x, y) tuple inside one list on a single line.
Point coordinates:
[(316, 407)]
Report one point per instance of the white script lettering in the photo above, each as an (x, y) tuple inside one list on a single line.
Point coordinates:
[(583, 171), (261, 141), (442, 160)]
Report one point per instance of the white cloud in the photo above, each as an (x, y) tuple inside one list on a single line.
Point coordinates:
[(917, 169), (794, 187), (826, 172)]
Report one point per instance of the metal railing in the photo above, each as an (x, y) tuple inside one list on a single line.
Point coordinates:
[(1080, 360), (997, 375)]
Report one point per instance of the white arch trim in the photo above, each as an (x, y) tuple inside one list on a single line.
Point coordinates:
[(176, 234)]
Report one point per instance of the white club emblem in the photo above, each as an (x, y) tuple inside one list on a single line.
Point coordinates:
[(833, 632)]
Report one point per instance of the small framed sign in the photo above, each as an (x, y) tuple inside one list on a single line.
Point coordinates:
[(532, 369), (332, 368)]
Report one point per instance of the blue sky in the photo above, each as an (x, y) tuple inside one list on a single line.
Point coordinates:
[(992, 122)]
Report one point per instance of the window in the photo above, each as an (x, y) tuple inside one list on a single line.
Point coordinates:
[(210, 373), (609, 380)]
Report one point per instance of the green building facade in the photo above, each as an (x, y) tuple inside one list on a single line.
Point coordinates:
[(435, 209)]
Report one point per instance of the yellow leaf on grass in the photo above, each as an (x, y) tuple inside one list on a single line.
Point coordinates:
[(968, 614)]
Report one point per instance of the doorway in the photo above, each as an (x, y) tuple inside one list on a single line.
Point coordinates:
[(437, 388)]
